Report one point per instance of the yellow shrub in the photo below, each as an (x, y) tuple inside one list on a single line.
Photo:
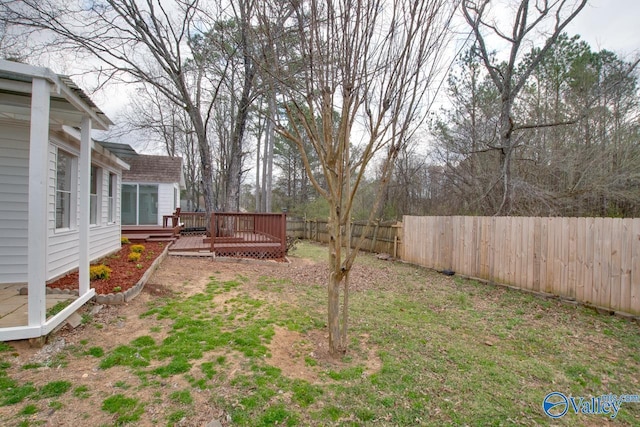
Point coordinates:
[(137, 248), (99, 272), (134, 256), (124, 240)]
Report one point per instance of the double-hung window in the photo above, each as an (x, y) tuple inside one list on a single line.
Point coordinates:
[(113, 185), (94, 200), (64, 174)]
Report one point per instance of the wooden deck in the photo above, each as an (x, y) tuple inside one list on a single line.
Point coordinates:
[(235, 248), (150, 233), (235, 234), (190, 244)]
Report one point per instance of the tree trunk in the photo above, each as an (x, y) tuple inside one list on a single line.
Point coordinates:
[(506, 154), (336, 278), (258, 193), (267, 162), (233, 175), (205, 159)]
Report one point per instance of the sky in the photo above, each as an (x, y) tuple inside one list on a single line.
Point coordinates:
[(604, 24), (610, 24)]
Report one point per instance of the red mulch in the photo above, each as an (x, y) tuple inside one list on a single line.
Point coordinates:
[(124, 273)]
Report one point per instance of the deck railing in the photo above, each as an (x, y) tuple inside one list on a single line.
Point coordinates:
[(194, 222), (249, 234)]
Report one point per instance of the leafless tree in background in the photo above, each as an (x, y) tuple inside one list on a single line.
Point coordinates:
[(149, 42), (528, 20), (168, 126)]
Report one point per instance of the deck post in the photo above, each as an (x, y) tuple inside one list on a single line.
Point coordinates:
[(283, 236), (212, 229)]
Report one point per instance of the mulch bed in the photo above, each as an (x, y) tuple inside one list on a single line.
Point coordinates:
[(124, 273)]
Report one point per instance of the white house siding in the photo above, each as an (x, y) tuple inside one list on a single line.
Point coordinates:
[(166, 205), (14, 186), (63, 244)]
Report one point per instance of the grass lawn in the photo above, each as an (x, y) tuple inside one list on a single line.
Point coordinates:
[(447, 352)]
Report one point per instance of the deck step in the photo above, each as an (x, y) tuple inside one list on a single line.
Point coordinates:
[(136, 237), (161, 239)]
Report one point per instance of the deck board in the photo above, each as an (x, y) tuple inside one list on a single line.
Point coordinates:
[(190, 243)]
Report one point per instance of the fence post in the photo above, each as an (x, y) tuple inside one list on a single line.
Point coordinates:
[(398, 226), (375, 236)]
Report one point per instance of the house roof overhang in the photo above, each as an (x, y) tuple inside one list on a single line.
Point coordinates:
[(98, 149), (68, 104)]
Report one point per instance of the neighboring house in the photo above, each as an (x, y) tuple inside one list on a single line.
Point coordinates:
[(59, 191), (150, 188)]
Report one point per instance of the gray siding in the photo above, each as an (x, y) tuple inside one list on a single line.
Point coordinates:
[(14, 186)]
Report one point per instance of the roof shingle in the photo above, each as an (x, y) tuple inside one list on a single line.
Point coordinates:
[(156, 169)]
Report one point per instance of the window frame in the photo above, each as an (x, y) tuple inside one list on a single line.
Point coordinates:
[(112, 199), (70, 180), (95, 187)]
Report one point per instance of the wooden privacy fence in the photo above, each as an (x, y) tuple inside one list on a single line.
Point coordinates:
[(595, 261), (383, 237)]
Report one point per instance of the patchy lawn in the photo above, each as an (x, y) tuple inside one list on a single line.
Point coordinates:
[(246, 344)]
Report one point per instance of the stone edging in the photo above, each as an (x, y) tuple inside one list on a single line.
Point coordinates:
[(131, 293)]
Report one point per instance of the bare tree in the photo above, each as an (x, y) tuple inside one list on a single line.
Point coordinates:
[(149, 42), (365, 71), (234, 171), (528, 20), (166, 125)]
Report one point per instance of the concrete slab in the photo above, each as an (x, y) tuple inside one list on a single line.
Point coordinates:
[(13, 307)]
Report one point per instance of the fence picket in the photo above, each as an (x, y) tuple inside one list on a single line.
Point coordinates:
[(626, 257), (634, 305), (604, 296), (616, 260), (581, 224)]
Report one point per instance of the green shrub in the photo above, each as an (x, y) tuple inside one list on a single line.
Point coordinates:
[(137, 248), (134, 256), (99, 272)]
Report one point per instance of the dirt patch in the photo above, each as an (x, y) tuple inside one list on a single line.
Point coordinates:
[(64, 358), (288, 352), (362, 277), (306, 356)]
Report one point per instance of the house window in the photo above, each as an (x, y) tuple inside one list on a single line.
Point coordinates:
[(93, 195), (129, 204), (113, 185), (64, 173), (175, 198), (139, 204), (147, 204)]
